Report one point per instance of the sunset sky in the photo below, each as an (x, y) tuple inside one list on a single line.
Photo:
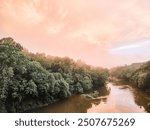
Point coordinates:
[(99, 32)]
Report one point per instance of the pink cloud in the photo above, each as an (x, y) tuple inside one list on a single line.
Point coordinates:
[(81, 29)]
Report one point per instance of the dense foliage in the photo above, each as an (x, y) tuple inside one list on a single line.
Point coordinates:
[(31, 80), (137, 73)]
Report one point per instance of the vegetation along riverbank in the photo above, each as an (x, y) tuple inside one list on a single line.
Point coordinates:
[(30, 80), (137, 74)]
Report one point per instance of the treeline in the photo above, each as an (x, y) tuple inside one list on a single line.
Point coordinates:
[(30, 80), (137, 73)]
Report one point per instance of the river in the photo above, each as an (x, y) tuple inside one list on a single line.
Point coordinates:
[(119, 97)]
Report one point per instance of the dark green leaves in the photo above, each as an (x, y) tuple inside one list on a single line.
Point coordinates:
[(28, 80)]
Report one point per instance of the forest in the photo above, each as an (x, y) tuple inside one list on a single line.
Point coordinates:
[(29, 80), (136, 73)]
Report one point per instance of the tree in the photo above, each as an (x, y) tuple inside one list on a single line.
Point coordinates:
[(30, 80)]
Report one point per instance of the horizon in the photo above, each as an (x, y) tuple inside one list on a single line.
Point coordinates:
[(100, 33)]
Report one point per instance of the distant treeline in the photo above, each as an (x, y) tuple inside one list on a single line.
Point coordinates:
[(137, 73), (30, 80)]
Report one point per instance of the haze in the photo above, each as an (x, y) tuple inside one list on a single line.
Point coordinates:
[(99, 32)]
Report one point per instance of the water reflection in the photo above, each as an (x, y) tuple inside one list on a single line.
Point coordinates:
[(117, 97), (141, 98), (120, 99), (76, 104)]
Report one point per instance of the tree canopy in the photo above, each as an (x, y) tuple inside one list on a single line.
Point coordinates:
[(137, 73), (30, 80)]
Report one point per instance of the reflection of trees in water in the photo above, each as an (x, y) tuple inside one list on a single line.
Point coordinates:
[(142, 99), (102, 96), (99, 100), (77, 103), (74, 104)]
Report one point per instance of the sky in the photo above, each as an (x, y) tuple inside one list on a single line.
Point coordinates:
[(103, 33)]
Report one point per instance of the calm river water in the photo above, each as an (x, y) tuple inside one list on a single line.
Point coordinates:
[(119, 97)]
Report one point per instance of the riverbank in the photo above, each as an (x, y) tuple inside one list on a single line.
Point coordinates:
[(121, 98), (136, 73)]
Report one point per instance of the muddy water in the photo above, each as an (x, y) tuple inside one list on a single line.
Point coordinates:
[(119, 97)]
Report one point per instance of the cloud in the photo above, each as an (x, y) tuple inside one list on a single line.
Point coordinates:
[(126, 47), (81, 29)]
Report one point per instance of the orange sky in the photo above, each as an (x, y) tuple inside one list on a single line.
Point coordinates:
[(99, 32)]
